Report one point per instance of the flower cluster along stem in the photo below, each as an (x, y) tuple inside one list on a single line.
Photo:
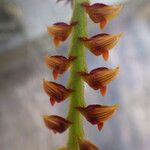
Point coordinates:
[(75, 82), (97, 79)]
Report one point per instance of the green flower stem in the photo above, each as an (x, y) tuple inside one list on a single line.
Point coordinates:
[(75, 82)]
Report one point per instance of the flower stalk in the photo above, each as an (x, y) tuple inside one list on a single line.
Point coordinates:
[(75, 82)]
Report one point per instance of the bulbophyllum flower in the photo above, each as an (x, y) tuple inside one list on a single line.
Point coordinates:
[(60, 31), (87, 145), (100, 44), (98, 114), (56, 123), (59, 64), (102, 13), (99, 78), (57, 92)]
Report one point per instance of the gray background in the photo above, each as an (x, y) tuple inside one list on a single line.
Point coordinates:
[(23, 102)]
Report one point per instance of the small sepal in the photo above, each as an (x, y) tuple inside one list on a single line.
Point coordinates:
[(99, 78), (100, 44), (102, 13), (56, 123), (59, 64), (60, 31), (56, 92), (98, 114)]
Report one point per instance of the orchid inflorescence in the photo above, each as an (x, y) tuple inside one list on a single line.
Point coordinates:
[(97, 79)]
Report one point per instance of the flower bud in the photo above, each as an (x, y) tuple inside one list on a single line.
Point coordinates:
[(87, 145)]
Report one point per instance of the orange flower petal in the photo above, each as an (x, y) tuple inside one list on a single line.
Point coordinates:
[(59, 64), (98, 114), (102, 13), (56, 92), (100, 44), (87, 145), (99, 78), (60, 31), (56, 123)]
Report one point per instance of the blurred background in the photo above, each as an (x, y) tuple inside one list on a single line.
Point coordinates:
[(23, 45)]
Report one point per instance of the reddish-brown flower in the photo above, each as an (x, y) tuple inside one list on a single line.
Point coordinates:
[(101, 44), (102, 13), (59, 64), (97, 114), (99, 78), (60, 32), (57, 92), (56, 123), (87, 145)]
